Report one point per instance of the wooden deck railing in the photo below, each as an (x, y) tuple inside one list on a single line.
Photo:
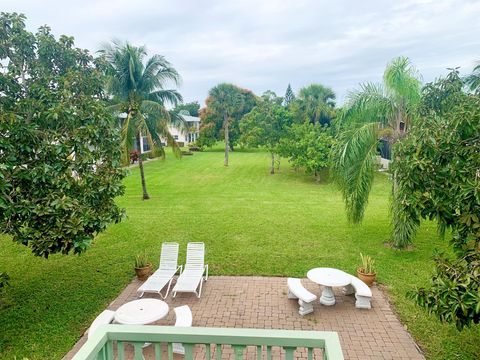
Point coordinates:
[(109, 342)]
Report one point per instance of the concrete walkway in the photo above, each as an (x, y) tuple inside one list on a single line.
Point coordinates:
[(261, 302)]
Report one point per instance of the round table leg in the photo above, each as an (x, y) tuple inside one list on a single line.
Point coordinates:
[(327, 297)]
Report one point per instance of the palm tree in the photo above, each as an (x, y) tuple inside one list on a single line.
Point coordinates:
[(473, 80), (375, 111), (317, 103), (137, 89)]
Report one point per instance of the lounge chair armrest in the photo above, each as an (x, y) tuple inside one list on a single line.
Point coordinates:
[(180, 267), (206, 272)]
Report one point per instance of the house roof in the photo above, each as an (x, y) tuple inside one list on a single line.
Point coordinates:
[(190, 118)]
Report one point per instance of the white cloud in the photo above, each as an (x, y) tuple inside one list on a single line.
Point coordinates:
[(269, 43)]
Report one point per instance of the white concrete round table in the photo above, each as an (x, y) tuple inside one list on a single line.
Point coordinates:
[(141, 312), (328, 277)]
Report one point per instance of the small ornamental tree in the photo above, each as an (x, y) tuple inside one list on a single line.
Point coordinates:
[(289, 96), (307, 146), (438, 178), (265, 125), (59, 148)]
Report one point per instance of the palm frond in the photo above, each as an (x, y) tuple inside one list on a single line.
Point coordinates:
[(354, 166), (169, 96)]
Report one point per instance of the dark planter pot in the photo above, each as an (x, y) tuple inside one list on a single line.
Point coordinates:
[(366, 278), (144, 272)]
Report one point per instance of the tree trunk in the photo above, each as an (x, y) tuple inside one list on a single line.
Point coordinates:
[(272, 170), (225, 128), (142, 174), (317, 175)]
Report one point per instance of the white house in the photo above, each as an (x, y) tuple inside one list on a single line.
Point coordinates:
[(182, 137)]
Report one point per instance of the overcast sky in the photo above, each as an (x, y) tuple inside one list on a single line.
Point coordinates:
[(266, 44)]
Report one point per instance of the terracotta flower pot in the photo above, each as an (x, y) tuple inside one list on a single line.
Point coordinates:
[(144, 272), (366, 278)]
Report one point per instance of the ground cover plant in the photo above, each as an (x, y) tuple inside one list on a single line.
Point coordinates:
[(253, 223)]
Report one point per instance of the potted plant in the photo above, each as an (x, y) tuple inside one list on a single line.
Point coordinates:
[(366, 271), (143, 267)]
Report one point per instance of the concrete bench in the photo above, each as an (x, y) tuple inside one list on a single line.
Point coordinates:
[(363, 294), (183, 318), (305, 297), (105, 318)]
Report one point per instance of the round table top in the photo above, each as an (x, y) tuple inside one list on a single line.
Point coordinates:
[(329, 277), (141, 312)]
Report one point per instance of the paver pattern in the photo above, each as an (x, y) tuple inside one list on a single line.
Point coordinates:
[(261, 302)]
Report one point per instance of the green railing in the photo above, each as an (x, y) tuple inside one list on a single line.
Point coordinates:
[(110, 341)]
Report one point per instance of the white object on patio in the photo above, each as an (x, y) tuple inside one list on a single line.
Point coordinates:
[(105, 318), (305, 297), (363, 294), (141, 312), (191, 278), (183, 318), (166, 270), (328, 277)]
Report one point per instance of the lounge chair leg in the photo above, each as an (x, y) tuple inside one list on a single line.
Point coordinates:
[(141, 295), (168, 289), (206, 275)]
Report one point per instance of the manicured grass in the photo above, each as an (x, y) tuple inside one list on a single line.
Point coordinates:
[(253, 223)]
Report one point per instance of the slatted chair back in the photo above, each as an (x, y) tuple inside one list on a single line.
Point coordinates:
[(169, 256), (195, 256)]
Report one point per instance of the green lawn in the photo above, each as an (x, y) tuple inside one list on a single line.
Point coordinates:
[(253, 223)]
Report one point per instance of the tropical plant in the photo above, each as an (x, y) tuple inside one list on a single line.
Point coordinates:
[(60, 169), (315, 103), (141, 260), (265, 125), (438, 178), (226, 105), (371, 113), (192, 108), (367, 265), (473, 80), (138, 89)]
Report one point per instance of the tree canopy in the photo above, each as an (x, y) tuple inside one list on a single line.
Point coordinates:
[(192, 108), (59, 156), (438, 178)]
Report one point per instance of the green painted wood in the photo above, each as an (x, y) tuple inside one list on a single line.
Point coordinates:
[(109, 350), (218, 351), (170, 351), (121, 350), (238, 351), (207, 352), (188, 351), (158, 351), (310, 353), (269, 353), (137, 346), (289, 351), (326, 340), (259, 352)]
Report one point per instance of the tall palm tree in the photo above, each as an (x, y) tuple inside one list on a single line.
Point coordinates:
[(137, 87), (317, 103), (375, 111)]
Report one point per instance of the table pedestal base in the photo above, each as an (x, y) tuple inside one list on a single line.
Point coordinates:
[(327, 298)]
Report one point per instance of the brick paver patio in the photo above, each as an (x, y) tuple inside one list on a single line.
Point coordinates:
[(261, 302)]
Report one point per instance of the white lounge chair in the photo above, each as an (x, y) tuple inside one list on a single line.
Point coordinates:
[(164, 275), (105, 318), (191, 278), (183, 318)]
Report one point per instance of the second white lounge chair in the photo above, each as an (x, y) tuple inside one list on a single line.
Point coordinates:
[(166, 270), (191, 278)]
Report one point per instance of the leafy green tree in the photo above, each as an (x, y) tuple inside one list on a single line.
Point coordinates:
[(226, 105), (60, 168), (138, 90), (374, 112), (265, 125), (307, 146), (438, 178), (192, 108), (315, 104), (289, 96)]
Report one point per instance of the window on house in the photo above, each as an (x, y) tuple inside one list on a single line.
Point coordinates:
[(146, 147), (175, 137)]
